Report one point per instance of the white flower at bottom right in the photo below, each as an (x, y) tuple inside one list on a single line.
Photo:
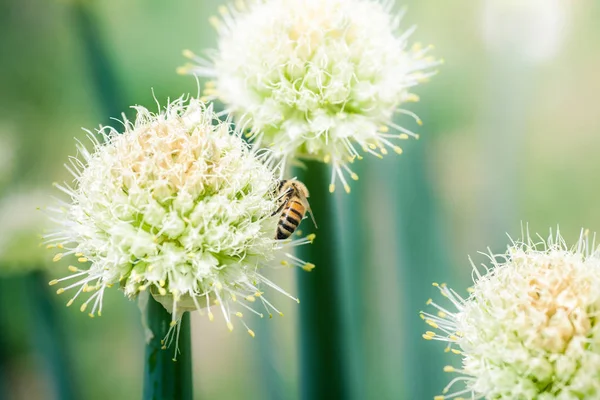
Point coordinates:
[(530, 327)]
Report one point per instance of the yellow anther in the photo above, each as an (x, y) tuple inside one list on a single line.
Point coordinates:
[(91, 315), (73, 268), (82, 259), (60, 291), (346, 188), (211, 316), (57, 257), (53, 282), (142, 288), (210, 84), (187, 53), (327, 158), (50, 246), (453, 337), (419, 122), (285, 263), (162, 291), (182, 70), (398, 149), (280, 314), (239, 314), (250, 299), (216, 302), (173, 323), (384, 129), (240, 5), (372, 146), (78, 254), (439, 397), (412, 98), (83, 307), (435, 284), (60, 246), (308, 267), (258, 294), (455, 351), (449, 368), (470, 290), (354, 176), (311, 237), (99, 313), (70, 303), (417, 46), (431, 323), (429, 301), (331, 188), (403, 136), (251, 332), (162, 283), (447, 350), (430, 333), (218, 285), (442, 314), (233, 297), (223, 10), (215, 22), (458, 333), (422, 316), (383, 151), (351, 159), (299, 232), (426, 337), (230, 326)]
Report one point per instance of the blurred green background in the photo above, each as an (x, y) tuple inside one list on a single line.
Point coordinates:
[(511, 134)]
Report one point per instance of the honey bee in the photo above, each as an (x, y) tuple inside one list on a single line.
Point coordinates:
[(293, 206)]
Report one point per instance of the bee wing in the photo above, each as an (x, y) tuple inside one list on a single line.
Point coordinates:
[(307, 205)]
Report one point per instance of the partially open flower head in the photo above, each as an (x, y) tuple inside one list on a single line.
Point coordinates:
[(529, 328), (177, 205), (315, 79)]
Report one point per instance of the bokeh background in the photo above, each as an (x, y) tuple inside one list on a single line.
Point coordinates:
[(511, 135)]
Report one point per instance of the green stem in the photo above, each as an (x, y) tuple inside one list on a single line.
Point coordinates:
[(423, 259), (49, 337), (322, 357), (165, 379)]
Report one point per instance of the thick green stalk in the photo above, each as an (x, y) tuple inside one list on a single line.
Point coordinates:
[(49, 337), (422, 259), (323, 366), (165, 379)]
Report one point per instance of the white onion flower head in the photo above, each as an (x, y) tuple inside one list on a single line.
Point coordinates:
[(529, 328), (177, 205), (315, 79)]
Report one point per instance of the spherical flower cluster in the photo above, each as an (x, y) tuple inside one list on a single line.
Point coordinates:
[(22, 223), (177, 205), (529, 329), (315, 79)]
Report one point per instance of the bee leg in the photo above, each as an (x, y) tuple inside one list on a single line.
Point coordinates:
[(281, 207)]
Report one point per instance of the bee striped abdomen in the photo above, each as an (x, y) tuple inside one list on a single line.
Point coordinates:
[(290, 219)]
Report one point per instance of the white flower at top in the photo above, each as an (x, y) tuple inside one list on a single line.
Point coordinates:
[(315, 79), (177, 205), (529, 328)]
